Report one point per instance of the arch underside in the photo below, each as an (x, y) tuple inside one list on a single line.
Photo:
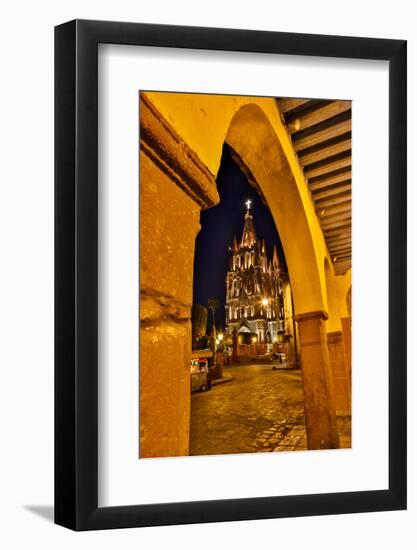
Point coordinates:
[(259, 152)]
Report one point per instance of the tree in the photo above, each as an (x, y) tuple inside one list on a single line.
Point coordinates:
[(213, 304), (198, 324)]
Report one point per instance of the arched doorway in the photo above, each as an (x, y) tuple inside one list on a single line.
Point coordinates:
[(261, 156), (244, 335)]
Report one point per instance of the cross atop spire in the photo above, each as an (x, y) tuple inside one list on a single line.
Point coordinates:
[(249, 236)]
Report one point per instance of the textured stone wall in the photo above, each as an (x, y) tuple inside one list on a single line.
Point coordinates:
[(174, 187), (340, 372), (317, 382), (347, 340), (169, 222)]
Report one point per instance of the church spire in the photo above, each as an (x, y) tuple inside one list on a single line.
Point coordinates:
[(249, 235), (275, 261)]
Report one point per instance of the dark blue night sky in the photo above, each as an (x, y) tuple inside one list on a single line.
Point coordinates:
[(219, 225)]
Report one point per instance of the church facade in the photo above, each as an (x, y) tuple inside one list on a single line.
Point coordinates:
[(254, 290)]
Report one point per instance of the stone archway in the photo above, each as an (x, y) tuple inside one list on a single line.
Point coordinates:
[(260, 154), (244, 328)]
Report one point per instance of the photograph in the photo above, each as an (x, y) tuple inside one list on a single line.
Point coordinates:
[(208, 235), (245, 277)]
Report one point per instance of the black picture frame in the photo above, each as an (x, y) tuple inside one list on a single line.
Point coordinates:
[(76, 272)]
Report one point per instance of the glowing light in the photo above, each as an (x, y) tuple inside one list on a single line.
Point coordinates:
[(220, 337), (265, 302), (248, 203), (254, 339)]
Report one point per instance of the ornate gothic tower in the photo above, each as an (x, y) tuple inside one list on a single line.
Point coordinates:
[(254, 298)]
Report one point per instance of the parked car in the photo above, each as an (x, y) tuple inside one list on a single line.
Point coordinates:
[(201, 367)]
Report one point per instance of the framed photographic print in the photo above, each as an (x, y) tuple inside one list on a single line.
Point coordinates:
[(230, 275)]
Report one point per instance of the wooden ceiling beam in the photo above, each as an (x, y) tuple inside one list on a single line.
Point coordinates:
[(288, 103), (338, 242), (342, 235), (341, 248), (347, 261), (322, 135), (332, 232), (342, 254), (346, 246), (326, 152), (331, 180), (343, 222), (332, 201), (343, 258), (339, 209), (319, 115), (334, 220), (330, 167), (339, 218), (329, 249), (332, 192)]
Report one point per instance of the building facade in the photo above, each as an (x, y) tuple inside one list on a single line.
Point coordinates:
[(254, 291)]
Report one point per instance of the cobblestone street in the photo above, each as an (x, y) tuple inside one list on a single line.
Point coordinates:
[(260, 410)]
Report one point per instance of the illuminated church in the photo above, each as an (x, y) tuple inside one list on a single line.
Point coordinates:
[(254, 290)]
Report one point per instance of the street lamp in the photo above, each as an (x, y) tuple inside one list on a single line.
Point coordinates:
[(219, 340)]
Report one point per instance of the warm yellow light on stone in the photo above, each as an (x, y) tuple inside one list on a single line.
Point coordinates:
[(199, 125)]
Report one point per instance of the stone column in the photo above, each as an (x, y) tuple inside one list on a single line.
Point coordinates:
[(174, 186), (340, 373), (291, 357), (347, 340), (317, 382)]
